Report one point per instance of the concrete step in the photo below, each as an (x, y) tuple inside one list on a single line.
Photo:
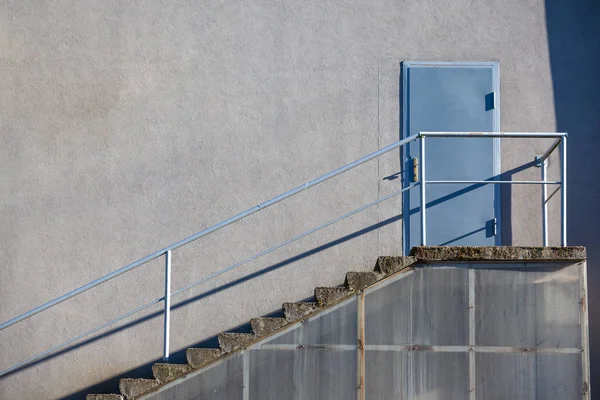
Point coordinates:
[(130, 388), (164, 372), (328, 295), (299, 310), (359, 280), (233, 341), (198, 357), (264, 326), (229, 342), (389, 264)]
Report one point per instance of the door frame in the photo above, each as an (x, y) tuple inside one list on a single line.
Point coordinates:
[(495, 66)]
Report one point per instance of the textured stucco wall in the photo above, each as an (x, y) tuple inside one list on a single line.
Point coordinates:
[(126, 126)]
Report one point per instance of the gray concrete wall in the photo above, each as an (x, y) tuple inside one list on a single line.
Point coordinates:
[(126, 126)]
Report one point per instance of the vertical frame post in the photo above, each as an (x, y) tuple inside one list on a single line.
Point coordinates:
[(246, 375), (585, 340), (167, 304), (544, 202), (563, 191), (361, 368), (423, 202), (472, 334)]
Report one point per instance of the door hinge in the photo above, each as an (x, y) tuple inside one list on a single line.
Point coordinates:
[(491, 227), (490, 101)]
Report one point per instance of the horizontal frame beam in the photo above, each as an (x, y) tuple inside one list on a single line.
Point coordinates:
[(494, 134), (497, 182)]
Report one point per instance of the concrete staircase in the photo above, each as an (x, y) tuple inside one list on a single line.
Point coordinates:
[(324, 297), (261, 327)]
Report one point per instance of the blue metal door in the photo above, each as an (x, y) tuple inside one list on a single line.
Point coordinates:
[(452, 97)]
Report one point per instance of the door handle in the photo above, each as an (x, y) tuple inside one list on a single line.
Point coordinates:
[(415, 168)]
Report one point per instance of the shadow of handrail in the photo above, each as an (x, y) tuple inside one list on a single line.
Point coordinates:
[(216, 290), (49, 354)]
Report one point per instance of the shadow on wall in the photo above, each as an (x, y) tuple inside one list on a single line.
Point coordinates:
[(145, 371), (574, 45), (111, 385)]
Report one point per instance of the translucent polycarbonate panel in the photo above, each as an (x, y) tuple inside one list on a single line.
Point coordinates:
[(303, 373), (316, 359), (426, 307), (416, 375), (223, 381), (534, 306), (501, 376), (388, 312), (336, 326)]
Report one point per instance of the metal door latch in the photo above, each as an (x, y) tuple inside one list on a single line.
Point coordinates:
[(415, 167)]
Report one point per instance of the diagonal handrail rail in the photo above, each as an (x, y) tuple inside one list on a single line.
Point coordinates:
[(207, 231), (205, 279)]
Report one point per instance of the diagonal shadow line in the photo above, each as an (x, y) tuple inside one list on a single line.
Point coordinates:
[(463, 236), (472, 187), (215, 290)]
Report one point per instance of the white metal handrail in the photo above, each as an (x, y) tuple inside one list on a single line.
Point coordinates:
[(166, 299), (542, 160)]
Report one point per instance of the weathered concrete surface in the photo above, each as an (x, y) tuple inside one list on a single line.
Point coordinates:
[(233, 341), (197, 357), (164, 372), (295, 311), (134, 387), (390, 264), (264, 326), (103, 397), (485, 253), (329, 295), (359, 280)]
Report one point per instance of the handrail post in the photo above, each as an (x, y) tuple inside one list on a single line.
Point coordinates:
[(563, 191), (167, 304), (544, 202), (423, 203)]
